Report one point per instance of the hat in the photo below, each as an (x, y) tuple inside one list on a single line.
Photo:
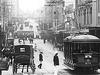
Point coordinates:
[(41, 52), (56, 52)]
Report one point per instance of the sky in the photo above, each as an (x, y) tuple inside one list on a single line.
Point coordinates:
[(33, 5), (30, 5)]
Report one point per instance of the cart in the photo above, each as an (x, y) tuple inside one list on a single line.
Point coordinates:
[(23, 55)]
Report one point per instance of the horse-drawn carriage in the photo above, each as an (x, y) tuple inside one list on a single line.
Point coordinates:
[(23, 55)]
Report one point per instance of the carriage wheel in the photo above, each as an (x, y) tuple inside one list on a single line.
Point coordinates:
[(14, 68), (32, 67)]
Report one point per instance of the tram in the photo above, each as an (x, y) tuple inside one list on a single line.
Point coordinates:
[(82, 52), (24, 34), (10, 41)]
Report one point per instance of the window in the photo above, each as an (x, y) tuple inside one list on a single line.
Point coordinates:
[(99, 20), (76, 2), (0, 18), (88, 16), (91, 15), (81, 16), (0, 9), (79, 13), (98, 5), (84, 16)]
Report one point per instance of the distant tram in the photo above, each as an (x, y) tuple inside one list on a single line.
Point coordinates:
[(82, 52), (24, 34)]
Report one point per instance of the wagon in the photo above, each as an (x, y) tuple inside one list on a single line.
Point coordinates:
[(23, 55)]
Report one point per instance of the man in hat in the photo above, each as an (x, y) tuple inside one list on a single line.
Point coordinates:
[(56, 59), (56, 63), (40, 59)]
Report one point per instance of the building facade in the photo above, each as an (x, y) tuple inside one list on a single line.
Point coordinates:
[(69, 17), (54, 12), (88, 13), (1, 14)]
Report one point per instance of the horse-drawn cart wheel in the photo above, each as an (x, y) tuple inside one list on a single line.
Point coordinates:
[(33, 67), (14, 68)]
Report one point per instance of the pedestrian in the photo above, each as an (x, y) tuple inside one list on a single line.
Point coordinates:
[(35, 47), (40, 59), (19, 40), (56, 63), (56, 60), (44, 41)]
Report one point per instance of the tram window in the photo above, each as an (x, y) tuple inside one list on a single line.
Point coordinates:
[(95, 47), (68, 49), (66, 46), (83, 47), (65, 51), (75, 48)]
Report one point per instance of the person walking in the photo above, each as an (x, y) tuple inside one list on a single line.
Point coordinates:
[(35, 47), (56, 63), (56, 60), (44, 41), (40, 59)]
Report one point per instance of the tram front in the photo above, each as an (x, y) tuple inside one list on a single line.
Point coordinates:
[(82, 52)]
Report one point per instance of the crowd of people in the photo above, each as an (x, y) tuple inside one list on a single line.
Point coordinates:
[(23, 40)]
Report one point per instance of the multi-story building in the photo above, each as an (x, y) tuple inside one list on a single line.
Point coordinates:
[(2, 22), (15, 8), (60, 20), (1, 15), (87, 13), (69, 18), (54, 14), (49, 13), (6, 10)]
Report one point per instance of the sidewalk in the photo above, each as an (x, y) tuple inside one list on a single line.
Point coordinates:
[(48, 52)]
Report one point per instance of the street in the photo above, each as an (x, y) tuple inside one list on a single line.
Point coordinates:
[(47, 68), (48, 53), (65, 32)]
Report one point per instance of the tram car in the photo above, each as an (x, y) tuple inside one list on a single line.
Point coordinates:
[(10, 41), (82, 52), (23, 55)]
